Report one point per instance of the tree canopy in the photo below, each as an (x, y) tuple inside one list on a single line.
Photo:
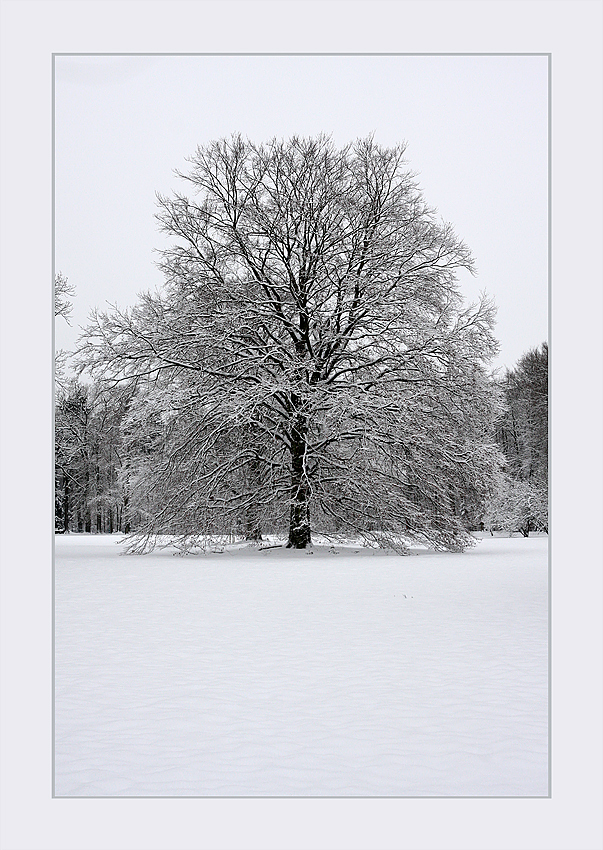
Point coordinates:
[(310, 361)]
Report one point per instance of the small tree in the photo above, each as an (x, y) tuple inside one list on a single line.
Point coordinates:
[(63, 293), (320, 363)]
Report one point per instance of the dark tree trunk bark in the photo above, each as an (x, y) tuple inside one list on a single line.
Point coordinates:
[(125, 516), (299, 517), (253, 522), (99, 510), (253, 531), (65, 504), (88, 513)]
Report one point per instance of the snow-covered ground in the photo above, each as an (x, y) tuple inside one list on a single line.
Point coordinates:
[(339, 672)]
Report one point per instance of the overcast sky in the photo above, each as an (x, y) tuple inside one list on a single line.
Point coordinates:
[(476, 129)]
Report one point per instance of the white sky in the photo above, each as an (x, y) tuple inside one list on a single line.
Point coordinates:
[(476, 129)]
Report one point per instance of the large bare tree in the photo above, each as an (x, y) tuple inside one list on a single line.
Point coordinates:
[(311, 353)]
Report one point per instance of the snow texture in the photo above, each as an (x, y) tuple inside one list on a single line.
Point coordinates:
[(338, 671)]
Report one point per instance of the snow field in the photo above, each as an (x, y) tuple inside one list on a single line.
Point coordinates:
[(279, 672)]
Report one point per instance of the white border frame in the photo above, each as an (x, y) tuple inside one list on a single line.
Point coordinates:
[(32, 30)]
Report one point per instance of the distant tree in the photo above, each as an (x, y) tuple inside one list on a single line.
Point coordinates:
[(517, 506), (312, 356), (523, 431), (521, 501), (88, 493), (63, 293), (72, 466)]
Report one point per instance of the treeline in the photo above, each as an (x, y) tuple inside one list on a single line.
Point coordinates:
[(103, 437), (519, 500), (90, 495)]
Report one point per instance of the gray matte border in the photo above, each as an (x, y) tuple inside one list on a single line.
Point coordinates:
[(550, 418), (53, 421), (549, 547)]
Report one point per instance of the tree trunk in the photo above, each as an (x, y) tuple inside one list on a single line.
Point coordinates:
[(65, 504), (253, 531), (125, 516), (253, 525), (299, 516), (253, 522), (88, 513)]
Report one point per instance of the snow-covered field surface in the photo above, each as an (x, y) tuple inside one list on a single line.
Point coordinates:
[(340, 672)]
